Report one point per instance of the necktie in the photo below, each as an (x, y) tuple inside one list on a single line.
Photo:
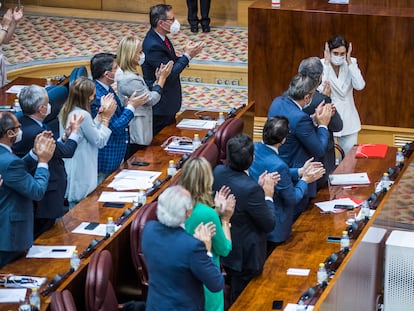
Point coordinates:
[(118, 102), (167, 43)]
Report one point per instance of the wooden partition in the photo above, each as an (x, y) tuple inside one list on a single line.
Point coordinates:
[(382, 36)]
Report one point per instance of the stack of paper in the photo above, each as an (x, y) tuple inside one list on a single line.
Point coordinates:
[(197, 124), (175, 146), (134, 179), (349, 179)]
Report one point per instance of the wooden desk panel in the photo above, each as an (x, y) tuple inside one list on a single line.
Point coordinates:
[(307, 247)]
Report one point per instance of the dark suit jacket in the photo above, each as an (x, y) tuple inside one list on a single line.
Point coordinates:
[(51, 206), (157, 53), (287, 196), (335, 125), (252, 219), (304, 140), (178, 266), (17, 193)]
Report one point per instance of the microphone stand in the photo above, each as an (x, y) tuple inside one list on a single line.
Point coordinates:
[(94, 244), (59, 278), (156, 185)]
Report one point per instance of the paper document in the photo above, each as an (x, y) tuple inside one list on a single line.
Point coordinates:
[(56, 251), (328, 206), (134, 179), (298, 271), (15, 89), (293, 307), (197, 124), (118, 197), (175, 146), (338, 1), (349, 179), (12, 294), (98, 230)]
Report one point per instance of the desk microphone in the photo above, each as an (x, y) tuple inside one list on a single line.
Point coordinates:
[(206, 137), (233, 111), (126, 214), (156, 185), (94, 244), (59, 278), (181, 162)]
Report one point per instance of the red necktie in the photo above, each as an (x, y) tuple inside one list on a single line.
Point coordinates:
[(167, 43)]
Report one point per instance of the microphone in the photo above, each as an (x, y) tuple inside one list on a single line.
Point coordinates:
[(233, 111), (156, 185), (126, 214), (94, 244), (59, 278), (181, 162), (207, 136)]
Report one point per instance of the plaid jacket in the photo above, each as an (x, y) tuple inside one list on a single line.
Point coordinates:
[(111, 156)]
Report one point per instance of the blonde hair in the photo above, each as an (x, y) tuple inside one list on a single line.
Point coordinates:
[(79, 93), (197, 178), (126, 54)]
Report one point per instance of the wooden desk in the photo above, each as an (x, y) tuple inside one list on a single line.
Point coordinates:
[(307, 247), (90, 210)]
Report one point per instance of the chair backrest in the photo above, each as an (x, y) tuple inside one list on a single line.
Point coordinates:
[(57, 97), (146, 213), (209, 151), (62, 301), (80, 71), (230, 128), (99, 292)]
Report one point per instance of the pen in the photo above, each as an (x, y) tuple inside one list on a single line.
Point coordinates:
[(349, 187), (127, 196), (59, 250)]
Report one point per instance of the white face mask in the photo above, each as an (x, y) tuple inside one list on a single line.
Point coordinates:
[(18, 135), (49, 109), (337, 60), (141, 59), (175, 27)]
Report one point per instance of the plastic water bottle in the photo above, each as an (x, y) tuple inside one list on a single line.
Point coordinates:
[(365, 210), (344, 241), (75, 260), (48, 82), (172, 170), (34, 299), (322, 274), (385, 181), (110, 226), (220, 119), (16, 106), (196, 142), (399, 158), (141, 198)]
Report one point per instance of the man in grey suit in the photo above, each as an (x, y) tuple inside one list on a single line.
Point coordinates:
[(19, 188)]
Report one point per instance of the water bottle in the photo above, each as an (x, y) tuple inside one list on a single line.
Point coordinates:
[(399, 158), (385, 182), (48, 82), (34, 299), (344, 241), (365, 210), (75, 260), (196, 142), (220, 119), (172, 170), (141, 198), (322, 274), (301, 306), (110, 226)]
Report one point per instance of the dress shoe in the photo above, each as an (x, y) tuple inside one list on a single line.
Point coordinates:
[(194, 28), (206, 28)]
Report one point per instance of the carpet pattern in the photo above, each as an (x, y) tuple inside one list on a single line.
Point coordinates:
[(42, 39)]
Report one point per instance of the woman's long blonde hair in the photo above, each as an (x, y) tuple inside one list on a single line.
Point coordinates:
[(197, 178), (79, 93), (126, 54)]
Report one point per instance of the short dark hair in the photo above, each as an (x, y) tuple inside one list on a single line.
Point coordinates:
[(158, 13), (275, 130), (100, 63), (240, 150), (300, 86), (6, 122), (337, 41)]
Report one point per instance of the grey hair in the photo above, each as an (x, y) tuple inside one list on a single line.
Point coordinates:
[(31, 97), (311, 67), (173, 204), (300, 86)]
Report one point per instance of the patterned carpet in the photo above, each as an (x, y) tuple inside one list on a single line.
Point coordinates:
[(42, 39)]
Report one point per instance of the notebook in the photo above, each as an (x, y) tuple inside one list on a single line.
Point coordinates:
[(371, 151)]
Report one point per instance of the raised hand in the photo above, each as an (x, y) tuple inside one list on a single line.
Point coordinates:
[(7, 19), (18, 14), (348, 54), (327, 54), (204, 234), (193, 49), (225, 203), (137, 100), (44, 147), (267, 183), (73, 125)]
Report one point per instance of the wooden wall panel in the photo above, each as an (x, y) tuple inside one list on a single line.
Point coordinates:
[(383, 43), (75, 4)]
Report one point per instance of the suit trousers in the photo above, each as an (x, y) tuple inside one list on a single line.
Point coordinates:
[(238, 281), (192, 6)]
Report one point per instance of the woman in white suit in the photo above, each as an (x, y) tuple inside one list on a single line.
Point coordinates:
[(82, 168), (343, 75)]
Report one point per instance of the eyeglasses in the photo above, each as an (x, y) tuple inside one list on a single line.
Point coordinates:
[(14, 128), (170, 19)]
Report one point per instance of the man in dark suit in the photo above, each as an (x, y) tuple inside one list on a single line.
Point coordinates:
[(293, 184), (304, 140), (20, 187), (253, 216), (159, 50), (178, 263), (312, 67), (34, 102)]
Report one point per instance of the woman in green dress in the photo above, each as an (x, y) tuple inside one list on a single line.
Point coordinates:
[(197, 178)]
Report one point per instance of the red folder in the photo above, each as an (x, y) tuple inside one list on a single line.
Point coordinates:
[(371, 151)]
